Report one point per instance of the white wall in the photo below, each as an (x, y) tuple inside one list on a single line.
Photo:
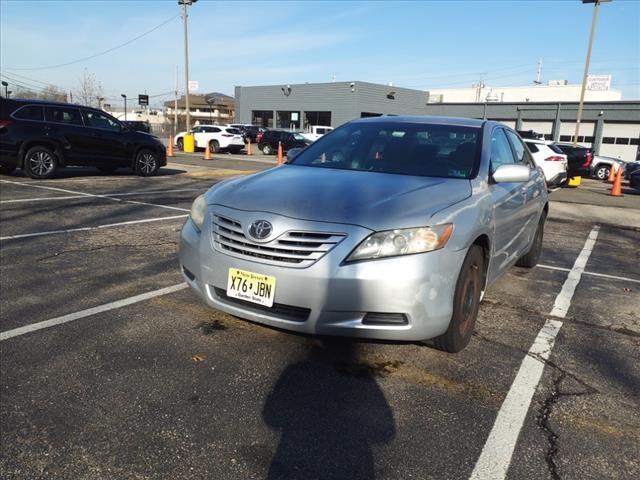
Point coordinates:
[(533, 93), (620, 130)]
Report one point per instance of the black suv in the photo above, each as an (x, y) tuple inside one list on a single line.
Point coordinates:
[(578, 159), (269, 142), (39, 137)]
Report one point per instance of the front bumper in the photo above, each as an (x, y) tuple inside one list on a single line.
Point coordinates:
[(328, 297)]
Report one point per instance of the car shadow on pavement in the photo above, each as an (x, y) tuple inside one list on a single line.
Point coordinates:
[(74, 172), (330, 412)]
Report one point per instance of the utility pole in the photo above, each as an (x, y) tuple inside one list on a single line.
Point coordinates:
[(539, 71), (175, 106), (125, 105), (594, 20), (184, 4)]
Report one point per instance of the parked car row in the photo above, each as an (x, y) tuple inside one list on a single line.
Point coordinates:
[(41, 137)]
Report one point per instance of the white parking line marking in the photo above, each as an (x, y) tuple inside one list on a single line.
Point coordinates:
[(85, 229), (89, 311), (593, 274), (124, 194), (96, 195), (495, 458)]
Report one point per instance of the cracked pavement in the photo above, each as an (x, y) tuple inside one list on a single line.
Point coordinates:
[(169, 388)]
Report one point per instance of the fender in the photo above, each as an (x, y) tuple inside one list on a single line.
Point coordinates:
[(54, 145)]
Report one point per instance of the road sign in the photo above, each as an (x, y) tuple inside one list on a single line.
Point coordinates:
[(143, 99)]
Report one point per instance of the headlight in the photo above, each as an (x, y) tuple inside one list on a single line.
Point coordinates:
[(197, 212), (402, 242)]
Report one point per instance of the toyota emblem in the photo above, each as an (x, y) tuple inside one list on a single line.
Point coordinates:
[(260, 229)]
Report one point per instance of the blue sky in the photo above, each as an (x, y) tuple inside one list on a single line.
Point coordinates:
[(413, 44)]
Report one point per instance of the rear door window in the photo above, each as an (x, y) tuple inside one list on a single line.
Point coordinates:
[(99, 120), (66, 115), (30, 112), (532, 147)]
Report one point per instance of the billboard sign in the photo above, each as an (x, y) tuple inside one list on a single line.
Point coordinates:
[(143, 99), (598, 83)]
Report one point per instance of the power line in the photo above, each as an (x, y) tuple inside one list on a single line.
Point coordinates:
[(100, 53)]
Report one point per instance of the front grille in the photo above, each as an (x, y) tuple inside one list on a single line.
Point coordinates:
[(298, 249), (287, 312)]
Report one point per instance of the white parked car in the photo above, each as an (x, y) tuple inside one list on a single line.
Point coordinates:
[(314, 132), (217, 137), (550, 158)]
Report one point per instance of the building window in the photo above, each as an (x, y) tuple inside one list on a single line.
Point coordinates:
[(588, 139), (262, 118), (288, 119), (565, 138), (317, 118), (548, 136), (608, 140), (634, 141), (622, 141)]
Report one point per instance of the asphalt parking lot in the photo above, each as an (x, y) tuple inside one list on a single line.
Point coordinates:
[(111, 369)]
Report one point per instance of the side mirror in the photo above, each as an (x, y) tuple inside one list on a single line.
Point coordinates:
[(511, 173), (293, 153)]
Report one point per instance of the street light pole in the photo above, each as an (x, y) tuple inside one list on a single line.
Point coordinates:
[(184, 4), (594, 20), (125, 105)]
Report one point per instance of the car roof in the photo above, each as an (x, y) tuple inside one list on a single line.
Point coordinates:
[(425, 119)]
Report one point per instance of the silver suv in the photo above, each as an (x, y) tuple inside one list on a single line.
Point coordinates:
[(386, 228)]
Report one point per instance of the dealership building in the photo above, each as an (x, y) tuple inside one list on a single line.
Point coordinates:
[(610, 126)]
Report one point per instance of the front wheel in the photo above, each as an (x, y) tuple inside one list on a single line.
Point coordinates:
[(466, 302), (214, 146), (40, 163), (180, 144), (602, 172), (147, 163), (530, 259)]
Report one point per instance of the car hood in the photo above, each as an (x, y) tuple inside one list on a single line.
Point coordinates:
[(378, 201)]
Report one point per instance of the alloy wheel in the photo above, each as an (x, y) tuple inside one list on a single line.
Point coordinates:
[(147, 163), (41, 163)]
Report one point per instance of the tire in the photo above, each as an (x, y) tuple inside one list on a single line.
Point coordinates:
[(40, 163), (267, 150), (7, 169), (466, 301), (530, 259), (601, 172), (109, 169), (147, 163), (214, 146), (180, 144)]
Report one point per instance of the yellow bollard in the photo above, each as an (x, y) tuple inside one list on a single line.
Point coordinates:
[(574, 181), (188, 143)]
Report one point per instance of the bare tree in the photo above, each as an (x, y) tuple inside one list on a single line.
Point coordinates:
[(22, 92), (89, 90), (53, 93)]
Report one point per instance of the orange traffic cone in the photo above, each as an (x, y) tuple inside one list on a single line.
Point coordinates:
[(207, 153), (612, 174), (280, 157), (616, 189), (170, 147), (249, 147)]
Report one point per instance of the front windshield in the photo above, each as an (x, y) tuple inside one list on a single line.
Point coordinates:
[(401, 148)]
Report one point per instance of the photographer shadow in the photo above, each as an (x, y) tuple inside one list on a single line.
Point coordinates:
[(330, 412)]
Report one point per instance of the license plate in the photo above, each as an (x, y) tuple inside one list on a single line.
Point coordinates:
[(251, 287)]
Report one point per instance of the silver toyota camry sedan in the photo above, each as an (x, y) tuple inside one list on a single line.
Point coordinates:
[(386, 228)]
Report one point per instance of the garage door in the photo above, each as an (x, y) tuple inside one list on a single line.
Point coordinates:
[(620, 140)]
